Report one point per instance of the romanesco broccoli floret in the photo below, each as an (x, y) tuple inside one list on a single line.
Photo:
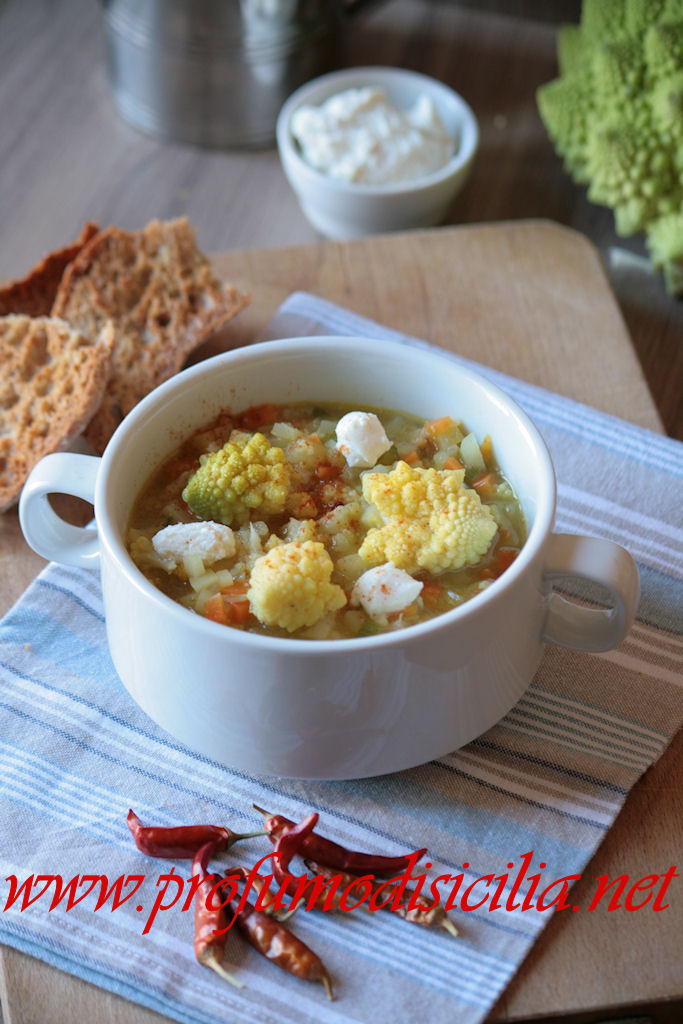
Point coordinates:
[(602, 19), (614, 114), (632, 170), (665, 243), (246, 475), (290, 586), (619, 72), (664, 48), (431, 521), (667, 105), (565, 105), (573, 53), (640, 14)]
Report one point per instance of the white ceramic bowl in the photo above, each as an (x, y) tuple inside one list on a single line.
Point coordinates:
[(340, 209), (344, 708)]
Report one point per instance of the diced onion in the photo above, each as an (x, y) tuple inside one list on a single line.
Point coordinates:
[(471, 453)]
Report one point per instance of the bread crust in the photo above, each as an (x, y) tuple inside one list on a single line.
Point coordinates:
[(52, 379), (35, 294), (163, 299)]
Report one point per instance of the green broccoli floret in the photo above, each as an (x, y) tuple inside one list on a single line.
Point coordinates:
[(665, 244), (246, 475), (615, 115)]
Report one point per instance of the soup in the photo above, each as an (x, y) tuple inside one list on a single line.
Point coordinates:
[(325, 521)]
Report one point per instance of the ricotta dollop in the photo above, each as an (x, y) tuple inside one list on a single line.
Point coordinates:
[(359, 136)]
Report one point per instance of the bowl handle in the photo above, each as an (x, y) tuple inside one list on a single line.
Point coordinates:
[(602, 561), (45, 531)]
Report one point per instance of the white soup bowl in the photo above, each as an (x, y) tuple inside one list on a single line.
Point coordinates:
[(343, 708)]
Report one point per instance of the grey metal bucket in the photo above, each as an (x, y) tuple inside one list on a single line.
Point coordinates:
[(215, 72)]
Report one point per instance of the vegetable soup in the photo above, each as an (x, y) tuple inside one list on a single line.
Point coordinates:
[(326, 522)]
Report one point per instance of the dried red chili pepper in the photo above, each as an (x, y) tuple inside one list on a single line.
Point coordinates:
[(183, 840), (331, 854), (429, 915), (288, 844), (278, 944), (210, 920), (292, 841), (343, 881), (422, 912)]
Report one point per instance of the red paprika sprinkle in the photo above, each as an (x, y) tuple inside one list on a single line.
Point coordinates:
[(331, 854), (182, 841)]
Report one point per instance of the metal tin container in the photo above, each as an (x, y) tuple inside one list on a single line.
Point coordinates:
[(215, 72)]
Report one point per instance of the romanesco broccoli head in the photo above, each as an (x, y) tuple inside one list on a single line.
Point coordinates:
[(246, 475), (615, 113), (290, 586), (431, 521)]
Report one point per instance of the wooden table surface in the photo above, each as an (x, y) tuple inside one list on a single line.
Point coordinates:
[(65, 156)]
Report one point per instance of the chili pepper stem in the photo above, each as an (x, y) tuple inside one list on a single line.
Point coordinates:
[(328, 987), (236, 837), (211, 960)]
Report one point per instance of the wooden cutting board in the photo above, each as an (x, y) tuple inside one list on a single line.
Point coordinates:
[(529, 298)]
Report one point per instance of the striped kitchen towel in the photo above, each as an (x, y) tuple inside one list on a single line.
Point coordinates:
[(513, 815)]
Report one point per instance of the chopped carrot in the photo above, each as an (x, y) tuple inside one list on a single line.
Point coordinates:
[(503, 559), (230, 606), (411, 457), (325, 471), (452, 463), (486, 448), (235, 591), (259, 415), (214, 609), (239, 612), (431, 591), (439, 426), (484, 484)]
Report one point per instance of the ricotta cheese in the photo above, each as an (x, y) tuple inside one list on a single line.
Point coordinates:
[(359, 136), (361, 438), (385, 589), (209, 541)]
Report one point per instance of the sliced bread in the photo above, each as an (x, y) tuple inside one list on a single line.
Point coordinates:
[(163, 298), (35, 294), (52, 379)]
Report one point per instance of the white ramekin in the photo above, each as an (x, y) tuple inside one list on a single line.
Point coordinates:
[(342, 209)]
